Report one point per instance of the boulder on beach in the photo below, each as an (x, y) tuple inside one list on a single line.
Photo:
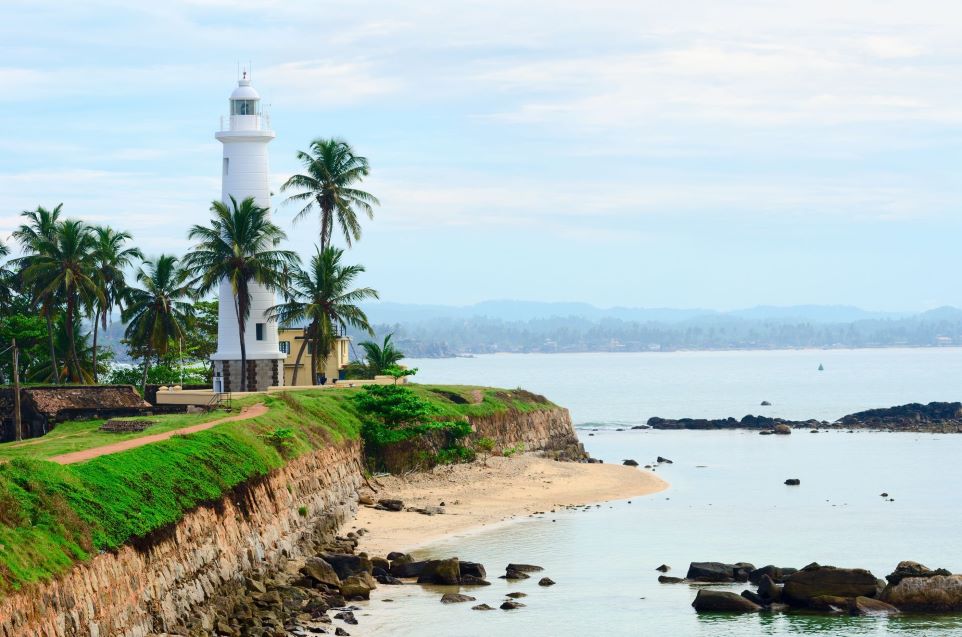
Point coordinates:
[(445, 572), (456, 598), (358, 586), (388, 580), (630, 463), (395, 556), (401, 568), (473, 569), (346, 565), (320, 572), (389, 504), (707, 601), (815, 581), (661, 460)]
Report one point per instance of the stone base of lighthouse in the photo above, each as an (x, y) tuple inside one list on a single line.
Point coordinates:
[(261, 374)]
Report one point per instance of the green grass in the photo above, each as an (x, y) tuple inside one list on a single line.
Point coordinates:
[(52, 516)]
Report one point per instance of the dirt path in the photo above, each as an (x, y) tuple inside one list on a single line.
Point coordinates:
[(87, 454)]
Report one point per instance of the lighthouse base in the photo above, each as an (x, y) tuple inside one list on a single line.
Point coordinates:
[(260, 374)]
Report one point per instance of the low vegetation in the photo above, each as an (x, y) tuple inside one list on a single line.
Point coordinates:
[(52, 516)]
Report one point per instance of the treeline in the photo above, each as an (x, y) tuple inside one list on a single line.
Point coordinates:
[(480, 335)]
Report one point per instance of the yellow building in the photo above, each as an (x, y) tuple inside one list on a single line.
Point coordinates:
[(289, 341)]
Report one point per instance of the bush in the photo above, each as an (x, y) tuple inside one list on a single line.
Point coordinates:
[(281, 438)]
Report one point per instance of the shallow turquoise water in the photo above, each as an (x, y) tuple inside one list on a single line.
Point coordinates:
[(727, 500)]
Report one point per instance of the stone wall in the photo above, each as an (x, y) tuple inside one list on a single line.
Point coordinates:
[(152, 585), (261, 374)]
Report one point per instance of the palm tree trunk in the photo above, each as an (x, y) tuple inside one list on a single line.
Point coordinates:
[(297, 361), (96, 330), (143, 382), (71, 349), (315, 346), (53, 350), (327, 227), (240, 306)]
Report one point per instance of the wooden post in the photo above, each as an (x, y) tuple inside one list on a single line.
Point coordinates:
[(17, 424)]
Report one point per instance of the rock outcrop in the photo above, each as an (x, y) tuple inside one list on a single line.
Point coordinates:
[(917, 588), (818, 581)]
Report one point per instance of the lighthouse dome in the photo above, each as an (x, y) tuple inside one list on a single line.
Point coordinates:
[(245, 91)]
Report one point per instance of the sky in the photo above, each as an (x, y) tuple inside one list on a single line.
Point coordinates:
[(637, 153)]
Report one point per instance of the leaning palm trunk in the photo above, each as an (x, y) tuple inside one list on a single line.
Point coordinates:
[(297, 361), (73, 365)]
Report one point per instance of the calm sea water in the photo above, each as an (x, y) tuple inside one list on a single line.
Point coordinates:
[(727, 500)]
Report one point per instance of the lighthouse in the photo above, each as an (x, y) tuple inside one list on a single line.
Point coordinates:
[(245, 172)]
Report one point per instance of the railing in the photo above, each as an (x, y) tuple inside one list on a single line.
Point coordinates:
[(221, 399), (260, 122)]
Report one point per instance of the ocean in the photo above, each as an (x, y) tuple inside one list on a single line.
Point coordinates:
[(727, 501)]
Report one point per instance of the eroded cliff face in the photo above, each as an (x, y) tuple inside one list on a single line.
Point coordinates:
[(153, 585), (548, 431)]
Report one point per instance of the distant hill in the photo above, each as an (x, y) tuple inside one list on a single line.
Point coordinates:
[(527, 326)]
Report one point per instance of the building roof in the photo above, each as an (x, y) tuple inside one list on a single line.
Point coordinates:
[(54, 400)]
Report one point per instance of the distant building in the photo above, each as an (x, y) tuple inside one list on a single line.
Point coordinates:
[(289, 342), (41, 408)]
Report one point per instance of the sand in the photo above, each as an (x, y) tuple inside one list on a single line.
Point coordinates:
[(478, 496)]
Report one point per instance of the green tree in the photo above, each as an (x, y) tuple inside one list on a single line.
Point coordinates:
[(7, 280), (64, 264), (41, 228), (110, 258), (158, 311), (380, 357), (323, 297), (331, 172), (201, 340), (240, 246)]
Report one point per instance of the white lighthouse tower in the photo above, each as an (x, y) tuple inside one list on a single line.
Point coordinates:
[(246, 173)]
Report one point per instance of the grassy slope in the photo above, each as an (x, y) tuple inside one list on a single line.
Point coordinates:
[(52, 516)]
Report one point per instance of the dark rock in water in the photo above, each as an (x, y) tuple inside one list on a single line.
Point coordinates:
[(456, 598), (396, 555), (388, 580), (707, 601), (777, 574), (719, 572), (516, 595), (664, 568), (407, 569), (482, 607), (441, 572), (753, 597), (546, 581), (380, 563), (472, 580), (342, 632), (765, 403), (884, 495), (769, 590), (472, 568), (514, 574), (630, 463), (664, 460), (815, 580), (511, 605), (358, 586), (524, 568), (387, 504), (347, 617), (641, 427), (782, 429), (793, 482), (347, 565), (926, 594), (909, 568), (868, 606), (766, 432), (912, 417), (829, 603), (667, 579)]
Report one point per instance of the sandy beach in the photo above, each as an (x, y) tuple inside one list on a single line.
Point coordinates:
[(478, 495)]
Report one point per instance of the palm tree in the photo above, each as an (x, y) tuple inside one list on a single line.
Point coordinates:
[(41, 227), (64, 264), (380, 357), (158, 311), (331, 171), (240, 246), (110, 258), (6, 278), (322, 296)]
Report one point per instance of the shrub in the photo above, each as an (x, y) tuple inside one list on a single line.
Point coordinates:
[(281, 438)]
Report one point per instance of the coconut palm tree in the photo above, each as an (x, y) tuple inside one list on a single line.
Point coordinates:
[(110, 257), (64, 264), (41, 227), (322, 296), (332, 169), (239, 246), (157, 311), (6, 278), (380, 357)]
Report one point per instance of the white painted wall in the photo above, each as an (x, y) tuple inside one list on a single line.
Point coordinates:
[(246, 172)]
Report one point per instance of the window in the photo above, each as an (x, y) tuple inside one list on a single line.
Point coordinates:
[(243, 107), (259, 331), (285, 347), (226, 165)]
